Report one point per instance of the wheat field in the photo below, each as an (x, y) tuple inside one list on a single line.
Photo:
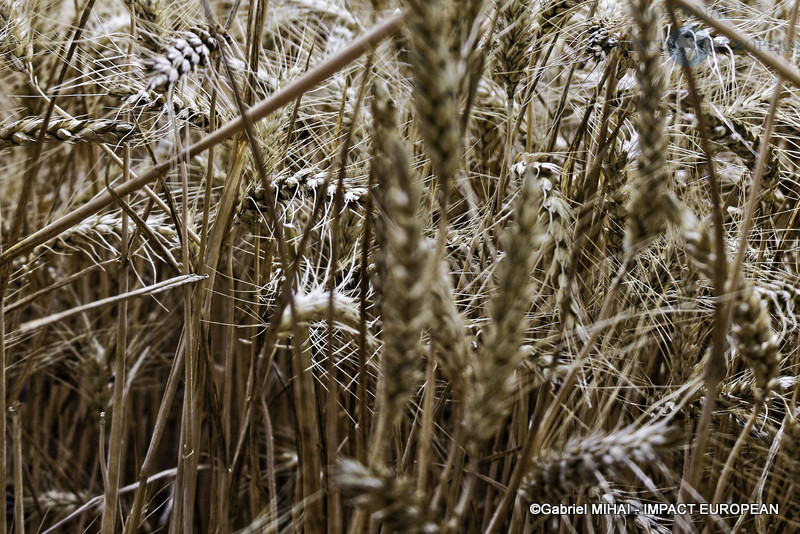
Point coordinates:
[(446, 266)]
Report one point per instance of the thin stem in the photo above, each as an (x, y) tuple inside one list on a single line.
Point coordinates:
[(3, 409), (115, 449), (16, 431)]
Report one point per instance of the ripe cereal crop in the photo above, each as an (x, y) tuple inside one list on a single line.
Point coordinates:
[(445, 266)]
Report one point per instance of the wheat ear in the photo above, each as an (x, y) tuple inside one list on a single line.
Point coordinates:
[(501, 353), (646, 217), (26, 131), (405, 278), (590, 461), (184, 55), (436, 86)]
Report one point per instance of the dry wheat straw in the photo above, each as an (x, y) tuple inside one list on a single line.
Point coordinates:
[(315, 76), (16, 436), (498, 313), (95, 382)]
